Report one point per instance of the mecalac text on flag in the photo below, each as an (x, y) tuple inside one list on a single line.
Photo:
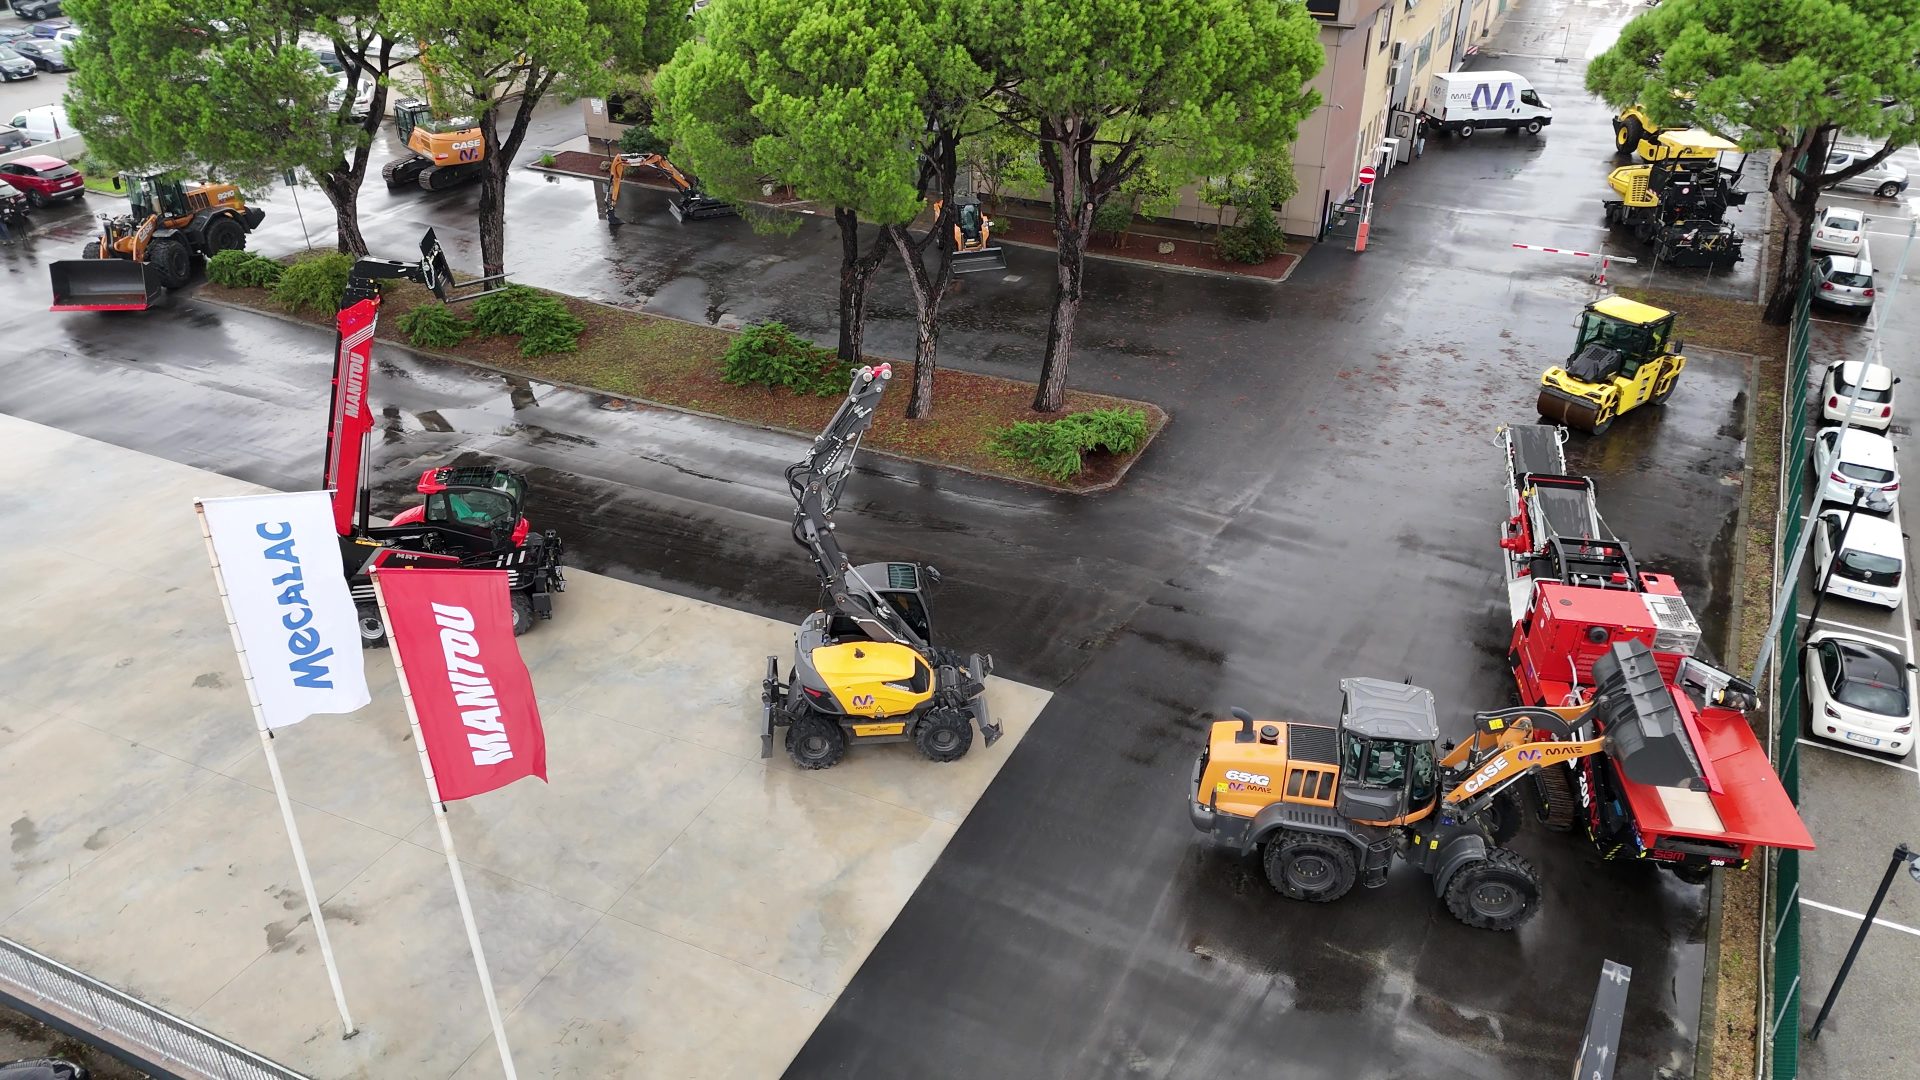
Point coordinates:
[(453, 630), (280, 560)]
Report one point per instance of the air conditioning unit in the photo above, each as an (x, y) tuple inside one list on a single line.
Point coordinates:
[(1399, 50)]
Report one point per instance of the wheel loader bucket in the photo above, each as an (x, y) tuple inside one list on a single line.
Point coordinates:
[(1644, 732), (1572, 410), (105, 285), (973, 262)]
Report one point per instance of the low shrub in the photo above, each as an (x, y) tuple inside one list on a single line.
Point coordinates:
[(1057, 448), (768, 354), (244, 270), (434, 326), (1256, 238), (314, 282), (641, 139), (543, 323)]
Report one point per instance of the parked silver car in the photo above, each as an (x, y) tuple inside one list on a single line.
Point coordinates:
[(1886, 179), (1843, 281)]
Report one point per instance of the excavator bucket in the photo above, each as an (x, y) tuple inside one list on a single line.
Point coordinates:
[(1571, 410), (105, 285), (986, 258), (1645, 735), (692, 206)]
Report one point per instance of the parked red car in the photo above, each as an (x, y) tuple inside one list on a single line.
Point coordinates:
[(43, 179)]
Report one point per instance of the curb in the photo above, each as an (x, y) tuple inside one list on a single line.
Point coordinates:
[(1096, 489), (1196, 271), (794, 207)]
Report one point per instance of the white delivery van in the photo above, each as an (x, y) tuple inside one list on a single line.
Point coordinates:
[(42, 123), (1463, 102)]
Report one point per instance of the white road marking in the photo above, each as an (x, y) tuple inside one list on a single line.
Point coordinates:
[(1808, 740), (1850, 628), (1889, 924)]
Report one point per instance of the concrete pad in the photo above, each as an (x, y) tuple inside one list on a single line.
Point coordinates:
[(190, 876), (190, 704), (16, 720), (695, 677), (361, 766), (788, 876), (618, 797), (703, 1016), (72, 792), (408, 974)]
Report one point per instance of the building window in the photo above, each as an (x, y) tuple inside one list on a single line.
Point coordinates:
[(1424, 53), (1446, 27)]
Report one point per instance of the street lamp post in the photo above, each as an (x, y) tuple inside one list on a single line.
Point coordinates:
[(1901, 855)]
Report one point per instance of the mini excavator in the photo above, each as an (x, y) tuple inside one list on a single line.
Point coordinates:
[(865, 669), (1331, 805), (973, 246), (470, 518), (687, 203)]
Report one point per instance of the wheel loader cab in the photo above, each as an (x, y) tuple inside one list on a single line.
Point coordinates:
[(1388, 766), (484, 503)]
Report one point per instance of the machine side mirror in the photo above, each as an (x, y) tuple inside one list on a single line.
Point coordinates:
[(1896, 380)]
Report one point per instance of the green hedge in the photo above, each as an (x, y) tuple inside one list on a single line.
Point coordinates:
[(1058, 447), (434, 326), (770, 355), (243, 270), (314, 282), (544, 324)]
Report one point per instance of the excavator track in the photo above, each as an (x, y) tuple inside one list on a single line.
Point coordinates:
[(1554, 801)]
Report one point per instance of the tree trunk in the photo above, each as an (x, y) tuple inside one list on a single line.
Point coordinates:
[(927, 289), (1071, 224), (499, 166), (856, 277), (341, 184), (342, 188)]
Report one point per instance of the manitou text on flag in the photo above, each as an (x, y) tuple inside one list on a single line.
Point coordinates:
[(453, 630), (279, 561)]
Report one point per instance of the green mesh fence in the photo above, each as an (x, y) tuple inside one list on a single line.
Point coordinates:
[(1781, 1007)]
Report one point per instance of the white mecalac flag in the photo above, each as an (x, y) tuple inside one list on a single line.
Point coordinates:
[(278, 558)]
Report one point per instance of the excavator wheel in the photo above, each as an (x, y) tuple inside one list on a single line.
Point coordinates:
[(945, 735), (1309, 867), (172, 260), (816, 742), (1499, 892), (1505, 816)]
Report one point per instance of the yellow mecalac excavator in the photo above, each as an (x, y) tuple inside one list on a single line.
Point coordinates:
[(1331, 805), (865, 669), (687, 203)]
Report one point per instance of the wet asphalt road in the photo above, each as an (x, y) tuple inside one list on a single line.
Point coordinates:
[(1326, 502)]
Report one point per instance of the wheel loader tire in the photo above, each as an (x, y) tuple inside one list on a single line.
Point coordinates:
[(522, 613), (1631, 134), (1692, 875), (172, 262), (816, 742), (373, 630), (225, 234), (1499, 892), (1465, 130), (1506, 815), (944, 736), (1303, 866), (91, 251)]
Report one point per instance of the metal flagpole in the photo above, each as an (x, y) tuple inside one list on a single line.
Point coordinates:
[(348, 1031), (446, 840)]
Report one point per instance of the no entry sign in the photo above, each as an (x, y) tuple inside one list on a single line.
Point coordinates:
[(1366, 175)]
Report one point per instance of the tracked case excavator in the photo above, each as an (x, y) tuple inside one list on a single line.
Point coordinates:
[(865, 669)]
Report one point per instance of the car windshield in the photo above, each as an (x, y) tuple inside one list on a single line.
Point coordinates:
[(1873, 569), (1871, 680), (1852, 281), (1843, 388), (9, 54)]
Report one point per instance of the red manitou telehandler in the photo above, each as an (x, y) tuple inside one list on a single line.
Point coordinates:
[(471, 516), (1574, 591)]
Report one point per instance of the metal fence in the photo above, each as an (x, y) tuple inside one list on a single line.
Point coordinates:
[(157, 1036), (1780, 978)]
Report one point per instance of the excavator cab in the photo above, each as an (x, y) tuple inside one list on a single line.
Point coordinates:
[(441, 153), (1388, 768)]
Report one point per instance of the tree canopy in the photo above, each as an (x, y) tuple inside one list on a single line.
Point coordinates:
[(1787, 76)]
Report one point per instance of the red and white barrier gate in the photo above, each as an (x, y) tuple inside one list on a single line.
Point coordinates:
[(1605, 259)]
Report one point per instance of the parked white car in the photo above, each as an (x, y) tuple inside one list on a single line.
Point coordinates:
[(1868, 388), (362, 96), (1859, 692), (1840, 230), (1864, 459), (1886, 179), (1872, 561)]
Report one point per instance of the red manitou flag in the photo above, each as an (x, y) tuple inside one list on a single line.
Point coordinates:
[(452, 633)]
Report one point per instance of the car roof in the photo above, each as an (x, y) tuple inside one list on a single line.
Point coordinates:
[(1855, 645), (40, 161), (1865, 661), (1849, 264), (1836, 212), (1864, 447), (1875, 377), (1872, 535)]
